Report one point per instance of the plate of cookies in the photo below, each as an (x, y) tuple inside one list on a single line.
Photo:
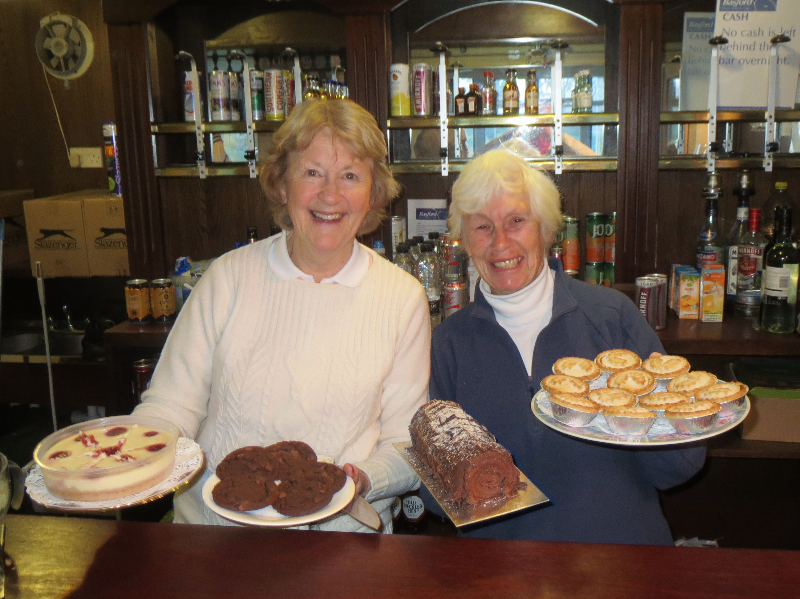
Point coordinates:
[(284, 484), (620, 399)]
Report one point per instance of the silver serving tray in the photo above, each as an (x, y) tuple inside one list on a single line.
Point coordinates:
[(525, 498)]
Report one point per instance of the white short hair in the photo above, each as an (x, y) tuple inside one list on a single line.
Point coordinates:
[(499, 172)]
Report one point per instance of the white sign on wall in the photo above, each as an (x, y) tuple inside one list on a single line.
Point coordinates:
[(698, 28), (744, 60), (425, 216)]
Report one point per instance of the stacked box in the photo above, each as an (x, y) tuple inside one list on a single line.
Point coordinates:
[(688, 284), (712, 292)]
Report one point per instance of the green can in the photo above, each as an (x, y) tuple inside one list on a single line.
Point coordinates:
[(595, 237), (608, 273), (593, 272), (570, 243), (611, 237)]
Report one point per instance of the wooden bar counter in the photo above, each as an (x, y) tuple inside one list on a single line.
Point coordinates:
[(79, 557)]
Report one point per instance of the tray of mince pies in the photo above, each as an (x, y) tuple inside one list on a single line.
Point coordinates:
[(619, 398)]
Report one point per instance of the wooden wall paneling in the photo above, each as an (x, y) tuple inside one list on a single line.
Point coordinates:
[(640, 77), (128, 46), (368, 59), (185, 218), (33, 154)]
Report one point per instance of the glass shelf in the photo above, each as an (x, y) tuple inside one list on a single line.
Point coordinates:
[(547, 164), (532, 120), (213, 127), (731, 116)]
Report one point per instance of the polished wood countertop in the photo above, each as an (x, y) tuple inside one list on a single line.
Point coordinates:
[(127, 334), (79, 557)]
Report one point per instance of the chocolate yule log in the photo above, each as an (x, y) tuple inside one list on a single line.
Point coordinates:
[(464, 457)]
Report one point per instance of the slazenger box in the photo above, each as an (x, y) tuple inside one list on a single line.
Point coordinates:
[(106, 238), (55, 235)]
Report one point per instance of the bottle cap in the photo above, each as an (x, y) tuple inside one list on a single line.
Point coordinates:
[(418, 238), (378, 244), (488, 74), (426, 247), (402, 248), (433, 235)]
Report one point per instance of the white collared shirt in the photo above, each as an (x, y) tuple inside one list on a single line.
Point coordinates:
[(351, 274)]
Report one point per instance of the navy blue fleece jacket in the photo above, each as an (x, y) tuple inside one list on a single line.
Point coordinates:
[(598, 493)]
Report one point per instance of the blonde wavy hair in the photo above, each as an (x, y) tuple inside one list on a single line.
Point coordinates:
[(353, 127), (499, 172)]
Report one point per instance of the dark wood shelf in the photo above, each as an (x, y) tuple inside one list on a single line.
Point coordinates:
[(732, 337), (128, 334), (731, 445)]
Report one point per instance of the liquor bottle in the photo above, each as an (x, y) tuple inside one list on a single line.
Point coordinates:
[(709, 244), (252, 234), (473, 101), (532, 94), (779, 197), (750, 266), (488, 95), (274, 230), (586, 92), (779, 307), (511, 93), (574, 95), (311, 88), (743, 190), (414, 512), (461, 102), (403, 259)]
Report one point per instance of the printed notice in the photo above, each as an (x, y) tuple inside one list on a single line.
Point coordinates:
[(698, 28), (749, 25), (425, 216)]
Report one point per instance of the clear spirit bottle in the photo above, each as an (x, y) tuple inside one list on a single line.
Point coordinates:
[(750, 267), (743, 190)]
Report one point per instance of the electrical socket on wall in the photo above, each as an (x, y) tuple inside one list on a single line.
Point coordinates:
[(86, 157)]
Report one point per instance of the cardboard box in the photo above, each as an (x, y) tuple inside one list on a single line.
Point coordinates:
[(774, 415), (55, 235), (688, 294), (15, 244), (712, 293), (106, 238)]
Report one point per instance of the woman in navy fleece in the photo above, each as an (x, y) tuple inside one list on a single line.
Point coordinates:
[(490, 356)]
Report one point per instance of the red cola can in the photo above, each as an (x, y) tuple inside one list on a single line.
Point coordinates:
[(647, 299), (663, 290), (456, 296), (453, 260), (142, 373)]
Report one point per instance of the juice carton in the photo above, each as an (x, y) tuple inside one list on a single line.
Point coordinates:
[(712, 293), (688, 293), (674, 288)]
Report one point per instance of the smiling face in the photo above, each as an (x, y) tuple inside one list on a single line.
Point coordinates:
[(327, 194), (505, 243)]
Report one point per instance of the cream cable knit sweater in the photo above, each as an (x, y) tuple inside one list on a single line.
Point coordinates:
[(254, 359)]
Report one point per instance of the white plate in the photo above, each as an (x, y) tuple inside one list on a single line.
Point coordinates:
[(661, 433), (269, 517), (188, 460)]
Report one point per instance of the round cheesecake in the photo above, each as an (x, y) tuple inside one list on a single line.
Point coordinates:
[(107, 458)]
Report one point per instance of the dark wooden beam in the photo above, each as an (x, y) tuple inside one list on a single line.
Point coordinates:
[(130, 81), (368, 58), (639, 103)]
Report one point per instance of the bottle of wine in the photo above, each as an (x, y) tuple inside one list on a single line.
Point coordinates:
[(743, 190), (779, 309), (779, 197)]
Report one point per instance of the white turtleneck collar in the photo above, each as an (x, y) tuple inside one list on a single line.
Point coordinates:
[(524, 313)]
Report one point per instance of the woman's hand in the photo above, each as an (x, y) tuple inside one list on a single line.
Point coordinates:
[(361, 480)]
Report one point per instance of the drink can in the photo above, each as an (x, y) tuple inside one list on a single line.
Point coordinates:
[(398, 231), (235, 82), (572, 256), (593, 272), (456, 296), (557, 251), (137, 300), (274, 90), (611, 236), (663, 291), (162, 300), (608, 274), (288, 90), (573, 274), (453, 261), (111, 158), (142, 373), (188, 96), (257, 95), (399, 93), (647, 299), (595, 237), (219, 93), (422, 82)]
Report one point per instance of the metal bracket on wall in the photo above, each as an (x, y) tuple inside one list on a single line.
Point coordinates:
[(558, 108), (713, 95), (440, 49), (250, 153), (770, 145), (200, 155)]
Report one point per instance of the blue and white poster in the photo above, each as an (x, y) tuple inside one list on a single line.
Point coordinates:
[(749, 25)]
